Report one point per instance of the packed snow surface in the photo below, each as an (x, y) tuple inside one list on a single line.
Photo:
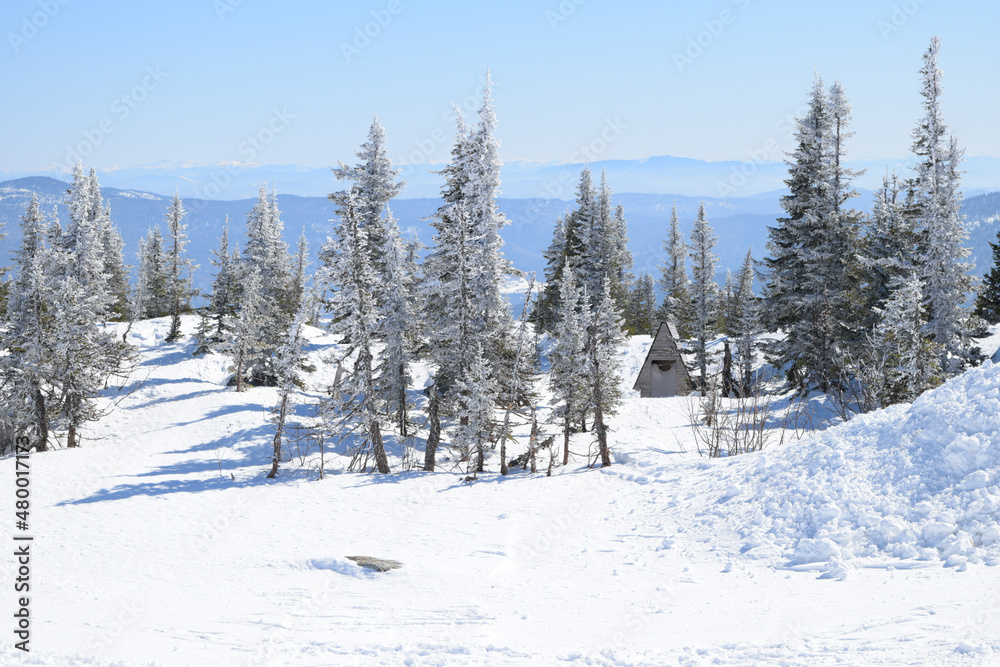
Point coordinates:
[(161, 542)]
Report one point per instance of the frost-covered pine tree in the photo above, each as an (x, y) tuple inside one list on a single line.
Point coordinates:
[(26, 339), (287, 360), (300, 277), (86, 352), (465, 307), (988, 300), (745, 324), (153, 280), (373, 184), (608, 252), (942, 255), (353, 403), (677, 298), (547, 308), (218, 318), (394, 330), (248, 338), (179, 268), (911, 361), (581, 232), (640, 313), (703, 289), (567, 378), (115, 271), (603, 338), (808, 271), (478, 392), (266, 252), (886, 254)]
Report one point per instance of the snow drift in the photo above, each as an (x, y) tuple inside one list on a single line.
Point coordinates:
[(915, 482)]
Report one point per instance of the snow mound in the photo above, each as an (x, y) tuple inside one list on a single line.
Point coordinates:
[(917, 482)]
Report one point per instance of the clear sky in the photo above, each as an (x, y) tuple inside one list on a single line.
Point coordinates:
[(137, 83)]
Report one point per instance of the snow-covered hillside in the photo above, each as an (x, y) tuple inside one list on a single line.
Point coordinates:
[(161, 542)]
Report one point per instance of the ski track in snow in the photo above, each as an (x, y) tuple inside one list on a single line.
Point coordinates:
[(160, 542)]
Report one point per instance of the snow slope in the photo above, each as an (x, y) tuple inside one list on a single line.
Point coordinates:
[(161, 542)]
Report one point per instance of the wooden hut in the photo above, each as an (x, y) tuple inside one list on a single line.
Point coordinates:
[(663, 373)]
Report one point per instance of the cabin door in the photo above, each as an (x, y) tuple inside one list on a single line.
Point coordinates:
[(664, 379)]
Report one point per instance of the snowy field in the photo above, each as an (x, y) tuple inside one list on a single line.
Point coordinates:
[(161, 542)]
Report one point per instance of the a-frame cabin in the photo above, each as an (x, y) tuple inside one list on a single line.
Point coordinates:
[(663, 373)]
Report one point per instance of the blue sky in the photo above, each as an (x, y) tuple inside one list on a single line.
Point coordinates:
[(135, 83)]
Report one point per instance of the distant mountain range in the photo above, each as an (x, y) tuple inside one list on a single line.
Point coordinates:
[(662, 175), (740, 222)]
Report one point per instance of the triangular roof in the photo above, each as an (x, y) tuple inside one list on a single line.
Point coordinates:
[(665, 341)]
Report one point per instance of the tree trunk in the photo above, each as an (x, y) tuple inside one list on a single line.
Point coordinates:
[(532, 440), (566, 428), (602, 433), (278, 431), (71, 436), (402, 404), (43, 421), (434, 436), (239, 372), (375, 437), (728, 383)]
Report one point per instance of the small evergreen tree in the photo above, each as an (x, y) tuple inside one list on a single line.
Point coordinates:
[(988, 301), (217, 320), (703, 289), (178, 269), (568, 383), (911, 361), (604, 337), (676, 306)]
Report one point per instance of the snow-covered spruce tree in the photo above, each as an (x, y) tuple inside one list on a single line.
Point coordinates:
[(266, 252), (942, 256), (567, 378), (115, 271), (373, 183), (745, 324), (465, 307), (288, 359), (154, 300), (886, 252), (640, 314), (478, 392), (523, 371), (217, 319), (676, 305), (988, 300), (26, 340), (179, 268), (248, 338), (546, 312), (808, 275), (300, 278), (603, 338), (911, 361), (87, 353), (703, 289), (581, 233), (395, 326), (353, 403), (612, 257)]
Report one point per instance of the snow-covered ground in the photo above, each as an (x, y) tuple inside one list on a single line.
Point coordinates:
[(161, 542)]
